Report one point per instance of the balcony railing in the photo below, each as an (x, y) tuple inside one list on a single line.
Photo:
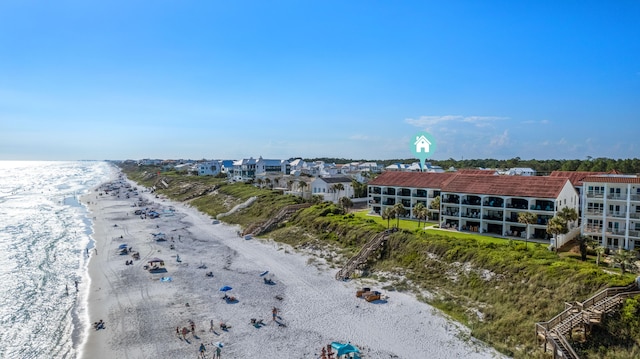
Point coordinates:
[(617, 196), (537, 207), (635, 197), (594, 212), (617, 214), (635, 215), (617, 232), (634, 233), (593, 229), (594, 194)]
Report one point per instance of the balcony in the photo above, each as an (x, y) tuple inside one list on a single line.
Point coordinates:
[(594, 212), (635, 197), (593, 229), (591, 194), (617, 214), (634, 233), (492, 218), (635, 215), (375, 190), (471, 200), (451, 199), (404, 192), (543, 206), (617, 196), (493, 202), (420, 193), (471, 214), (389, 191)]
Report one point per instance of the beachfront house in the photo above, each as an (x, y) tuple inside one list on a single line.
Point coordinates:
[(209, 168), (266, 167), (329, 188), (244, 169), (611, 210)]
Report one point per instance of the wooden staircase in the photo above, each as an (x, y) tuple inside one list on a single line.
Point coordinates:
[(363, 255), (580, 314), (284, 214)]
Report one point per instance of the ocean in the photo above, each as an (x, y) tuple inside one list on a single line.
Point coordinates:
[(45, 234)]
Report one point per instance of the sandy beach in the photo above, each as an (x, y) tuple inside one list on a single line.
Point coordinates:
[(142, 310)]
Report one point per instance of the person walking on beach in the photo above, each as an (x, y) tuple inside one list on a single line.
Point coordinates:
[(274, 313), (218, 352), (202, 350)]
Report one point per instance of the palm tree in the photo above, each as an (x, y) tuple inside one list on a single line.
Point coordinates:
[(419, 211), (435, 204), (260, 181), (290, 184), (302, 184), (346, 203), (556, 226), (399, 209), (599, 252), (527, 218), (568, 214), (337, 188), (267, 182), (625, 259), (388, 213)]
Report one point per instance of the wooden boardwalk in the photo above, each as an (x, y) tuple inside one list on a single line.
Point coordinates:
[(363, 255), (553, 333), (284, 214)]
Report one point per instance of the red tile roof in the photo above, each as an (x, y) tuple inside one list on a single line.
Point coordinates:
[(516, 186), (412, 179), (612, 179), (575, 177), (478, 172)]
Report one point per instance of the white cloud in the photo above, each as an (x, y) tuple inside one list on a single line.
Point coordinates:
[(500, 140), (534, 122), (429, 122)]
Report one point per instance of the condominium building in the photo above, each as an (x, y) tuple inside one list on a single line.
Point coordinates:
[(611, 210), (480, 202)]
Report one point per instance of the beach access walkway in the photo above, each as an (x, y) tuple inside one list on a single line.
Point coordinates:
[(376, 242), (580, 316)]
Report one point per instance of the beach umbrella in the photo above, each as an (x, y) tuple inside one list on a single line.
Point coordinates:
[(123, 245), (225, 288)]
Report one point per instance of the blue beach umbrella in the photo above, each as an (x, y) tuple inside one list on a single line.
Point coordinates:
[(225, 288)]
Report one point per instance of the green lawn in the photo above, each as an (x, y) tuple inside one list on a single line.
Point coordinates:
[(410, 225)]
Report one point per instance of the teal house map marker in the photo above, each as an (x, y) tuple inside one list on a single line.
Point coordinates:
[(423, 145)]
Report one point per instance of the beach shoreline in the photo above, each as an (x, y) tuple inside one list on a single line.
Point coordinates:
[(142, 310)]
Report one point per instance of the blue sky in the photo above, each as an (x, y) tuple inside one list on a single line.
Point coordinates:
[(349, 79)]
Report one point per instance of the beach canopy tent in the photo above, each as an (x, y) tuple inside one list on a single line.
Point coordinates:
[(225, 288), (347, 350)]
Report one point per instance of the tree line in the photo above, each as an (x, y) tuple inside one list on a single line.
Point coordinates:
[(543, 167)]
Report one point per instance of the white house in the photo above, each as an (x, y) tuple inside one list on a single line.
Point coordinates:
[(209, 168), (521, 171), (244, 169), (272, 166), (326, 187)]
